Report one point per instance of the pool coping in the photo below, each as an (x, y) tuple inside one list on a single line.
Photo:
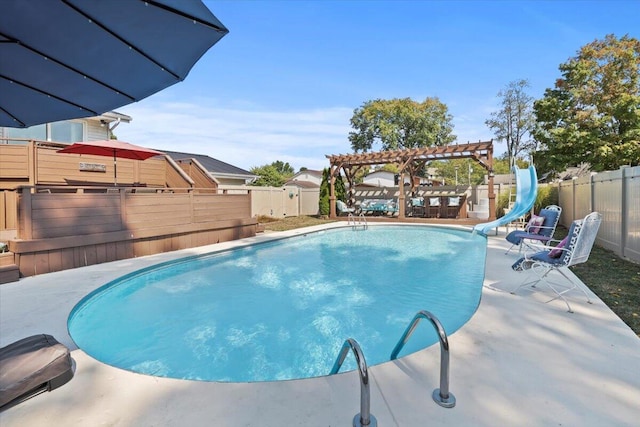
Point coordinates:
[(518, 361)]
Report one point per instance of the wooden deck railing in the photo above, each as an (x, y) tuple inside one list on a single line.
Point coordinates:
[(68, 227)]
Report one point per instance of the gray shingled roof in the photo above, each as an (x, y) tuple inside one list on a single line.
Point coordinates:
[(212, 165)]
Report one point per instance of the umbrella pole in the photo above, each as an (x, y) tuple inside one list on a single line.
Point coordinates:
[(115, 170)]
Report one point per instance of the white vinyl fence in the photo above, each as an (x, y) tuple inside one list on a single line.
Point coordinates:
[(616, 195), (280, 202)]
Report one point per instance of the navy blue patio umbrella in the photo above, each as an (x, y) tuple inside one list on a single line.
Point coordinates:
[(64, 59)]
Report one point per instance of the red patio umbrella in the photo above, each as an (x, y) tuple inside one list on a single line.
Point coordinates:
[(111, 148)]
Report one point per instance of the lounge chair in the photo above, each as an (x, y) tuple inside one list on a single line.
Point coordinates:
[(539, 230), (343, 209), (417, 206), (390, 207), (32, 366), (452, 206), (433, 207), (573, 249)]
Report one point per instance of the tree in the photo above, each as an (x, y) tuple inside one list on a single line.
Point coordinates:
[(449, 169), (273, 175), (593, 113), (283, 168), (502, 164), (400, 124), (514, 122)]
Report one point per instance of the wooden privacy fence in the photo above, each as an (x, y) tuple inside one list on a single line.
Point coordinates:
[(8, 211), (616, 195), (58, 231)]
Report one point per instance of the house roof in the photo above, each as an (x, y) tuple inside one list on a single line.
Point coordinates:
[(311, 172), (214, 166), (302, 184)]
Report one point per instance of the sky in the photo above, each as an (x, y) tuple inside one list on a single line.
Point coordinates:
[(284, 83)]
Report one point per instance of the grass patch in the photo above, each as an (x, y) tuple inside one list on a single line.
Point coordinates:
[(289, 223), (615, 280)]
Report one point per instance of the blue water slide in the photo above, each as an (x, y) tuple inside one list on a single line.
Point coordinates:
[(526, 192)]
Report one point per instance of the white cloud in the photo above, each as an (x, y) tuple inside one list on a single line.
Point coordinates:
[(244, 137), (247, 136)]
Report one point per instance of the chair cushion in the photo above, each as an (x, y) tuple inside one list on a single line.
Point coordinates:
[(434, 201), (515, 237), (525, 263), (534, 224), (454, 201), (557, 251)]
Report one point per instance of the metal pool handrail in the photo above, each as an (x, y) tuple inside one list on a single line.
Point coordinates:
[(360, 221), (441, 396), (364, 418)]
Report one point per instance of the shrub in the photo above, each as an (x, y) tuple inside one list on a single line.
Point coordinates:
[(547, 195)]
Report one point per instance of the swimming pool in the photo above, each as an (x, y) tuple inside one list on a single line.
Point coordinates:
[(281, 310)]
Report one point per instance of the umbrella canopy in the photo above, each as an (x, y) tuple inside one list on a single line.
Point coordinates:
[(64, 59), (111, 148)]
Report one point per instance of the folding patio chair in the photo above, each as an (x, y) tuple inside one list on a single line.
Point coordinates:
[(573, 249), (539, 230)]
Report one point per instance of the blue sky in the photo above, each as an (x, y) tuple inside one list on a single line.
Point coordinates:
[(283, 84)]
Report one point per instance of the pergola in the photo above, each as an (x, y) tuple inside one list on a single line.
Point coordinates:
[(409, 162)]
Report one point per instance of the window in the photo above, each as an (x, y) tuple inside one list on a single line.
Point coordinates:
[(58, 132), (34, 132), (66, 131)]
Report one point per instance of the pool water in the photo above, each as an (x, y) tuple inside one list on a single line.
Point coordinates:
[(282, 310)]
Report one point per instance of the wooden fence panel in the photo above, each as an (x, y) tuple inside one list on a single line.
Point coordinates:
[(157, 210), (8, 210), (58, 215), (215, 207), (152, 172), (14, 161), (198, 174)]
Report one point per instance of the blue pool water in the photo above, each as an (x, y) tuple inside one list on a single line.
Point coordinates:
[(282, 310)]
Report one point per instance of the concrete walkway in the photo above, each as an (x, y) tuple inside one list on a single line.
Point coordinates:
[(517, 362)]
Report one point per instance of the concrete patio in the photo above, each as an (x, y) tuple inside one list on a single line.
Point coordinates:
[(517, 362)]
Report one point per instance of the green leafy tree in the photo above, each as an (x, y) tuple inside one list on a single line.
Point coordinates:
[(268, 176), (502, 164), (400, 124), (448, 169), (273, 175), (593, 113), (284, 168), (514, 121)]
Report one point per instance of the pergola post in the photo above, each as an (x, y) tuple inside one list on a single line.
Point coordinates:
[(401, 207), (332, 192), (492, 194)]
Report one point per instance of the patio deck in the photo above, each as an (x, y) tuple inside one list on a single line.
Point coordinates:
[(517, 362)]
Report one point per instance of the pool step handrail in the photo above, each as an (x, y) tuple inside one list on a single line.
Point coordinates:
[(364, 418), (357, 222), (441, 395)]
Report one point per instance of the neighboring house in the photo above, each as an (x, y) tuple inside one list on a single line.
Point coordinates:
[(306, 179), (221, 172), (101, 127), (88, 129)]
